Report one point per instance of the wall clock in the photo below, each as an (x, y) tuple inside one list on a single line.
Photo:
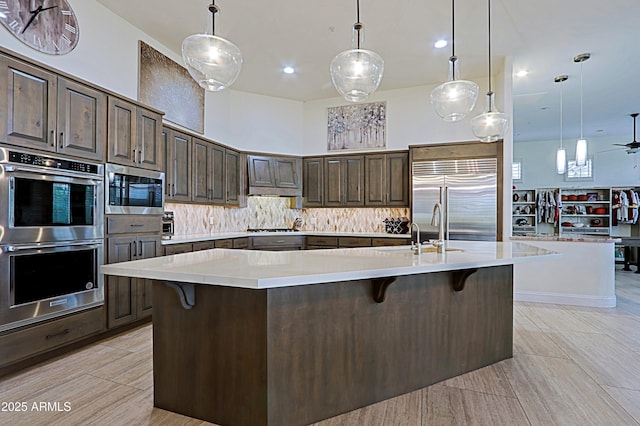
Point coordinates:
[(48, 26)]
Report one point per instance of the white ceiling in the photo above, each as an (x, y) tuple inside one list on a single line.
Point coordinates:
[(539, 36)]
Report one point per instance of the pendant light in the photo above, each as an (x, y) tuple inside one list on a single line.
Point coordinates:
[(455, 98), (561, 153), (213, 62), (492, 124), (581, 145), (356, 73)]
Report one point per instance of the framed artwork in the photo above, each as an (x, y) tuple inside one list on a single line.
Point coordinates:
[(167, 86), (359, 126)]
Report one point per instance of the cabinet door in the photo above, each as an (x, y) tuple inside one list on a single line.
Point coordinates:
[(148, 246), (148, 137), (287, 172), (313, 182), (334, 181), (261, 171), (398, 179), (121, 291), (27, 105), (354, 186), (218, 174), (232, 165), (375, 180), (122, 142), (82, 120), (201, 171), (178, 166)]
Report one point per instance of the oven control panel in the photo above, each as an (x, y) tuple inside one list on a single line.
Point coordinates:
[(53, 163)]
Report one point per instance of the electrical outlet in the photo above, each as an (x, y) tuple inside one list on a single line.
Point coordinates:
[(312, 220), (211, 222)]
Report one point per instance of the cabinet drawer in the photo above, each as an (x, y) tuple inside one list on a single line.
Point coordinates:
[(354, 242), (277, 241), (203, 245), (133, 224), (379, 242), (241, 243), (322, 241), (27, 342), (178, 248), (227, 244)]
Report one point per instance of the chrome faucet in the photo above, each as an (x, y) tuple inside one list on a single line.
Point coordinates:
[(415, 246), (437, 219)]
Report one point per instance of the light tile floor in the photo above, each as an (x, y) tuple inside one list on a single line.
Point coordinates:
[(571, 366)]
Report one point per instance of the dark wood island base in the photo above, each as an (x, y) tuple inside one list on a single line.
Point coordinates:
[(297, 355)]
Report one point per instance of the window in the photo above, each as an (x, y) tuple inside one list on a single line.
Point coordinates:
[(575, 172), (516, 170)]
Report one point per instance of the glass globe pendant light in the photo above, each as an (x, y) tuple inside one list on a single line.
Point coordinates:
[(581, 145), (561, 153), (212, 61), (356, 73), (455, 98), (492, 124)]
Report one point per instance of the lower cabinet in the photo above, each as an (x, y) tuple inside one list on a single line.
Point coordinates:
[(129, 299)]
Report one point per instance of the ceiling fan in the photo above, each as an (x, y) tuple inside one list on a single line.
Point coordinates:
[(632, 147)]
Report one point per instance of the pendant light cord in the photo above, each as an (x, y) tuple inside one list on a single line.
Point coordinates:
[(489, 27), (561, 84), (358, 25), (581, 62), (213, 9), (453, 29)]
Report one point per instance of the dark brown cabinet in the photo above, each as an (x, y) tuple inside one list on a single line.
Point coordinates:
[(208, 184), (272, 175), (344, 181), (387, 179), (234, 178), (177, 146), (43, 111), (313, 182), (135, 135)]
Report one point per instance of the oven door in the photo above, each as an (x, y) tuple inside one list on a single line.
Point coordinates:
[(42, 281), (131, 190), (47, 205)]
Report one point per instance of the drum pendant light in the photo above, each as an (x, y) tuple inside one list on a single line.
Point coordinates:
[(561, 153), (455, 98), (356, 73), (213, 62), (581, 145), (492, 124)]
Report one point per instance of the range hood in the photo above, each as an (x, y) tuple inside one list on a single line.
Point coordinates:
[(275, 175)]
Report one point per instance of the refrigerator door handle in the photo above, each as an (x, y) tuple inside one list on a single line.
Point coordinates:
[(445, 207)]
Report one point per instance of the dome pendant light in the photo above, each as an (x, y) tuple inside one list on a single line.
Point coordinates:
[(492, 124), (454, 99), (561, 153), (213, 62), (581, 145), (356, 73)]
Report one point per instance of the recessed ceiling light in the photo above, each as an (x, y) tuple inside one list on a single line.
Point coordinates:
[(288, 70), (522, 73), (440, 44)]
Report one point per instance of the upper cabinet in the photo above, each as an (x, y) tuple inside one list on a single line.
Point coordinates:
[(135, 135), (275, 175), (344, 181), (387, 179), (41, 110), (177, 155), (313, 182)]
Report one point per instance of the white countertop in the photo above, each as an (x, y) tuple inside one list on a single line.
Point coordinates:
[(267, 269), (191, 238), (572, 238)]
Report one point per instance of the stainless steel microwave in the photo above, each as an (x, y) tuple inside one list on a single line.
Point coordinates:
[(130, 190)]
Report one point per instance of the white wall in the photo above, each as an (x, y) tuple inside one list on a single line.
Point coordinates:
[(610, 168), (107, 55)]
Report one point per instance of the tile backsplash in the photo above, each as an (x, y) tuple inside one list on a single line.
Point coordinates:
[(274, 212)]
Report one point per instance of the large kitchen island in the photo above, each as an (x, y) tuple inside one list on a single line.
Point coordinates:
[(289, 338)]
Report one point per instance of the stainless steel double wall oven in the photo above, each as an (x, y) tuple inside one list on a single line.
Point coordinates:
[(51, 236)]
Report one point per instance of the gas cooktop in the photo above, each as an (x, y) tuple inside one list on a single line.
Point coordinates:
[(271, 230)]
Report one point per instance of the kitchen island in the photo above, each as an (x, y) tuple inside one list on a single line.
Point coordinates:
[(273, 338)]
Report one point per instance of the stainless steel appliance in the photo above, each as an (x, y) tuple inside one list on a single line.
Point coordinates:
[(41, 281), (467, 192), (51, 236), (44, 198), (130, 190), (168, 225)]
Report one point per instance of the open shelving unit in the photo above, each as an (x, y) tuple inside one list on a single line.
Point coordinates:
[(585, 211), (524, 212)]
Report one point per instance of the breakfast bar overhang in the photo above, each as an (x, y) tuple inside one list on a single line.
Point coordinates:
[(274, 338)]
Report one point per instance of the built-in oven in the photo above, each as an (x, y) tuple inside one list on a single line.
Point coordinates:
[(130, 190), (47, 199), (45, 280)]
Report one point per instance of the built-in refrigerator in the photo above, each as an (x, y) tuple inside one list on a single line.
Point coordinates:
[(467, 191)]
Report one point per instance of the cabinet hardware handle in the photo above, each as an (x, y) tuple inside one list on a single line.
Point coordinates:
[(61, 141), (137, 225), (134, 155), (52, 138), (139, 248), (62, 333), (174, 189)]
